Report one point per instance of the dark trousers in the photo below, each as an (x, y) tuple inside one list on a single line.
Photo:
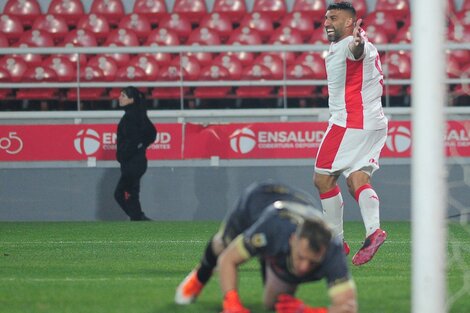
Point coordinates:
[(128, 187)]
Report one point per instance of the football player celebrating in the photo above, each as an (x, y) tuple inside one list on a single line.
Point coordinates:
[(357, 128), (279, 225)]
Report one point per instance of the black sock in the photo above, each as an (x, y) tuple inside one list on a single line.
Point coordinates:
[(208, 263)]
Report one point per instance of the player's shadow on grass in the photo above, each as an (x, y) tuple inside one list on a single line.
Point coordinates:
[(107, 208)]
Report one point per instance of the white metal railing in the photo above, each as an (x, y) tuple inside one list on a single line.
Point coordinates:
[(195, 49)]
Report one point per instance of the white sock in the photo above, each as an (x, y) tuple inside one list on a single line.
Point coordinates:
[(332, 203), (369, 203)]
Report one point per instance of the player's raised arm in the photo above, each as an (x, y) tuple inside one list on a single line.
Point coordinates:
[(357, 45)]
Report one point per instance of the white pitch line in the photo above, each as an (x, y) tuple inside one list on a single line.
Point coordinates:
[(76, 279), (60, 242)]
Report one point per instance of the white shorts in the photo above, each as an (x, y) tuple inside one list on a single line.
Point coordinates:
[(346, 150)]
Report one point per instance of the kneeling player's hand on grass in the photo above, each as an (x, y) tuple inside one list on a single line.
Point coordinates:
[(289, 304), (232, 303)]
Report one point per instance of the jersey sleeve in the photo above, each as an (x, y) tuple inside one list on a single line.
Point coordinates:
[(337, 271), (268, 236)]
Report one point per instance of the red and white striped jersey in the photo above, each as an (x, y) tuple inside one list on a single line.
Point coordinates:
[(355, 87)]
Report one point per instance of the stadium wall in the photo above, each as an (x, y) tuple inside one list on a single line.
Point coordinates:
[(197, 189)]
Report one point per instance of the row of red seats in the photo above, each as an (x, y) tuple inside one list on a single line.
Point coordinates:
[(114, 10)]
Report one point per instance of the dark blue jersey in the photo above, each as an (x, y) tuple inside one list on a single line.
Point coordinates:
[(266, 231)]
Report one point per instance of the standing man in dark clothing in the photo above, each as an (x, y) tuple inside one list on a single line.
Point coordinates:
[(278, 225), (135, 133)]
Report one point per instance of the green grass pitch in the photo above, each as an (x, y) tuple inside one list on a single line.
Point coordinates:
[(72, 267)]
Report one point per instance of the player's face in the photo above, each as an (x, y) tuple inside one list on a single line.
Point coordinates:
[(304, 260), (337, 25), (124, 100)]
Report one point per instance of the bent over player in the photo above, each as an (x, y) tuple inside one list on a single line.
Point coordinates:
[(279, 225), (357, 128)]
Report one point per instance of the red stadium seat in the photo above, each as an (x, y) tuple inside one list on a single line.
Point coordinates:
[(70, 10), (128, 73), (360, 6), (190, 65), (276, 9), (4, 41), (11, 27), (235, 9), (315, 8), (81, 38), (121, 59), (218, 22), (376, 34), (200, 37), (246, 58), (396, 65), (403, 35), (4, 78), (232, 64), (162, 37), (73, 57), (34, 38), (273, 62), (453, 68), (26, 10), (121, 37), (124, 37), (170, 73), (15, 67), (260, 22), (65, 70), (315, 62), (287, 36), (383, 20), (193, 10), (245, 36), (37, 38), (88, 74), (106, 64), (255, 72), (400, 9), (178, 23), (298, 72), (213, 73), (146, 63), (451, 9), (96, 24), (204, 35), (30, 58), (138, 23), (301, 21), (155, 10), (38, 74), (461, 18), (113, 10), (465, 5), (319, 37), (463, 89), (54, 25)]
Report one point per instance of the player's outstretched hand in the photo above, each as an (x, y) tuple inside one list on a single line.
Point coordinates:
[(289, 304), (358, 33), (232, 303)]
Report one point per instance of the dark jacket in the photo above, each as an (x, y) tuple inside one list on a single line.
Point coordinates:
[(135, 133)]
